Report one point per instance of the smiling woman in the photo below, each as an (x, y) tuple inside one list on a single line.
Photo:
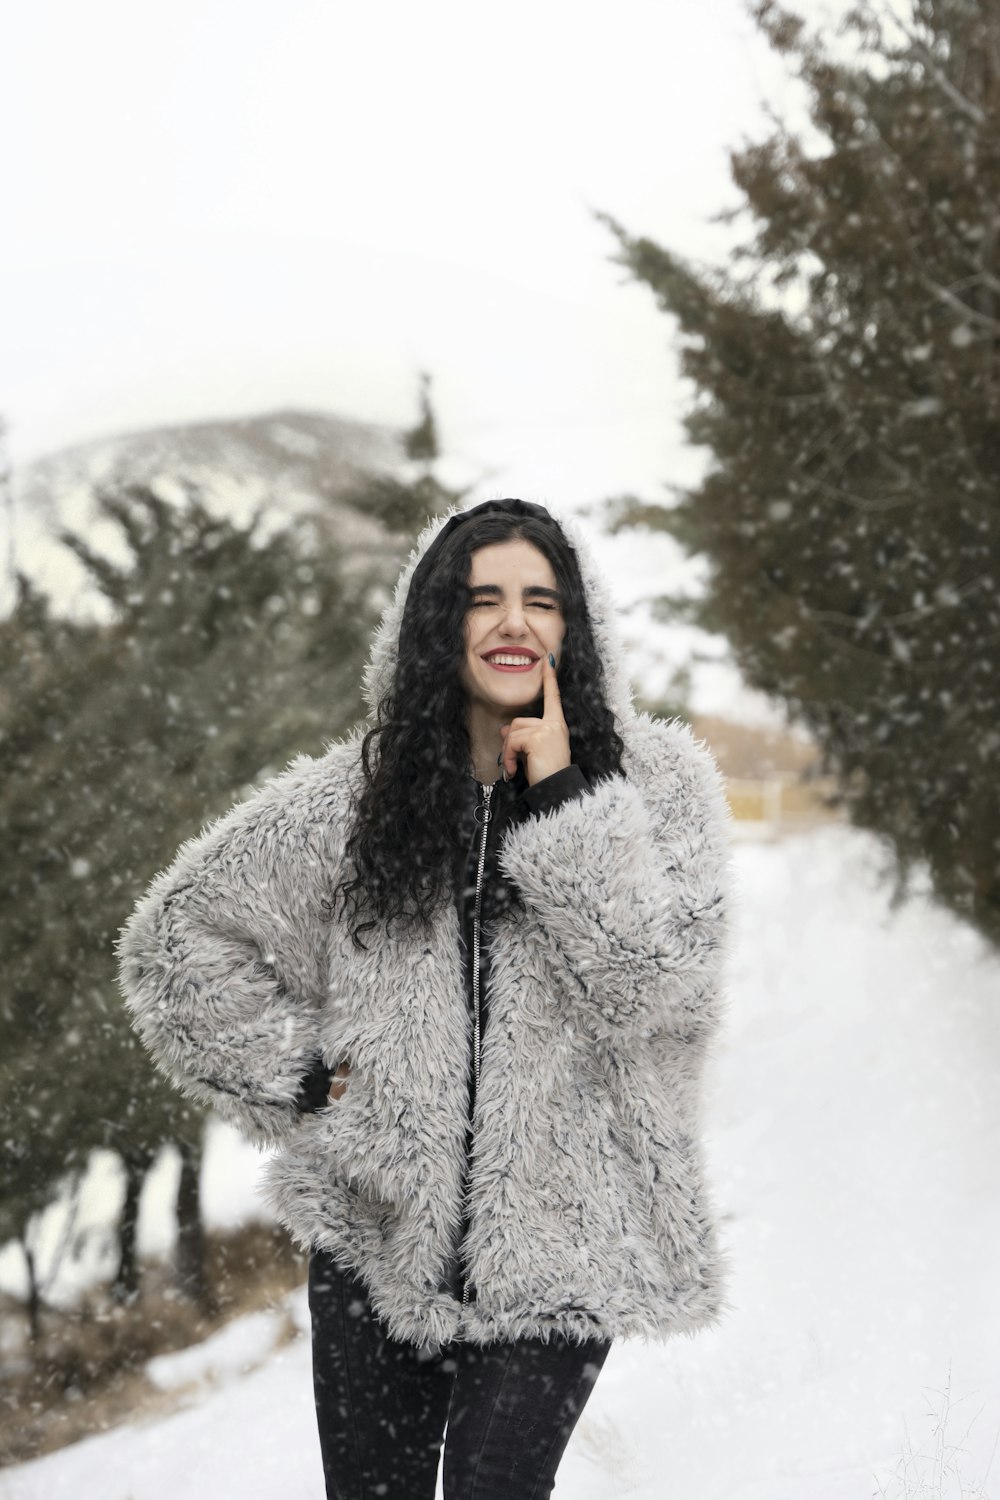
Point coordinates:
[(505, 1174)]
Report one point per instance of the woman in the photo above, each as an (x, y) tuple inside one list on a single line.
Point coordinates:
[(462, 970)]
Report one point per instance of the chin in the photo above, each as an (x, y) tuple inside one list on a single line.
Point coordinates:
[(515, 706), (503, 694)]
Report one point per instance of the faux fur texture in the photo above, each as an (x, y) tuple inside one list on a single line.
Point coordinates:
[(590, 1213)]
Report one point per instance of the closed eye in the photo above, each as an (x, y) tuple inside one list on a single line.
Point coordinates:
[(534, 603)]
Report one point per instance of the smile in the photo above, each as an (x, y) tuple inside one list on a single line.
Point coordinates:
[(510, 662)]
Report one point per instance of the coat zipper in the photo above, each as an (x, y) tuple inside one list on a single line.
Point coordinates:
[(485, 808)]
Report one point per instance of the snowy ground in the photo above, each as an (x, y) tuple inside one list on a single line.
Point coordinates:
[(853, 1129)]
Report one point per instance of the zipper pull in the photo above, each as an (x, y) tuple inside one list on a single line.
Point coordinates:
[(484, 806)]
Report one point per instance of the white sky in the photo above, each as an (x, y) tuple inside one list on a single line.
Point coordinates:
[(215, 208)]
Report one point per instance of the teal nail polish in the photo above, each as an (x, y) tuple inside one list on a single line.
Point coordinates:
[(552, 660)]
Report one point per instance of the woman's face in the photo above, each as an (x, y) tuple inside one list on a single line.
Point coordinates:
[(515, 610)]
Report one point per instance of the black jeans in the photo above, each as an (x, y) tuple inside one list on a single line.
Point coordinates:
[(382, 1404)]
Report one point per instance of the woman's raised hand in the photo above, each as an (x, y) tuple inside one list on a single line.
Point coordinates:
[(545, 741)]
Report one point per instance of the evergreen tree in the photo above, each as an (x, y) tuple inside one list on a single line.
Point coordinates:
[(847, 371), (421, 442)]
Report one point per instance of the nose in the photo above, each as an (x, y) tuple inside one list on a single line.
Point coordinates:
[(514, 621)]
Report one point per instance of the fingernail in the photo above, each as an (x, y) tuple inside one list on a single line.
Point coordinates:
[(552, 660)]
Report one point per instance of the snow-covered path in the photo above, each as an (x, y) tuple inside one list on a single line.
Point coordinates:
[(852, 1123)]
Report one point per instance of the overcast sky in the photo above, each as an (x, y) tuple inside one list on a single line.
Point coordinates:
[(222, 208)]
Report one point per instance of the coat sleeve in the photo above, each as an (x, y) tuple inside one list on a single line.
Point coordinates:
[(631, 889), (221, 961)]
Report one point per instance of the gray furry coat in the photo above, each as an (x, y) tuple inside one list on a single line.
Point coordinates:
[(589, 1210)]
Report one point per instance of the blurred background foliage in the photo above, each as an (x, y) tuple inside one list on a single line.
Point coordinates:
[(846, 377)]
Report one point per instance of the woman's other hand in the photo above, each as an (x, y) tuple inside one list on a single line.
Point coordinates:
[(337, 1089)]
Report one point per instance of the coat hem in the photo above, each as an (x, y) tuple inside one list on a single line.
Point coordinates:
[(429, 1319)]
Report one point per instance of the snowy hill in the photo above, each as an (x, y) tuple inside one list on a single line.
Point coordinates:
[(291, 461), (309, 451), (852, 1120)]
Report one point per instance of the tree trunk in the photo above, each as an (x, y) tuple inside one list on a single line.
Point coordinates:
[(34, 1298), (125, 1283), (191, 1277)]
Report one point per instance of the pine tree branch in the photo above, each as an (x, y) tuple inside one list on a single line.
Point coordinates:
[(858, 502), (901, 164), (903, 617), (112, 581), (980, 279), (944, 83), (943, 294)]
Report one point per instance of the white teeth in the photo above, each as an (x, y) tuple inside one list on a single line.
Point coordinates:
[(512, 661)]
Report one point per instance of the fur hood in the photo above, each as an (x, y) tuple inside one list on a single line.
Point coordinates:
[(589, 1211)]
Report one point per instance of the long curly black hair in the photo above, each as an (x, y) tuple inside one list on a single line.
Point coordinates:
[(406, 820)]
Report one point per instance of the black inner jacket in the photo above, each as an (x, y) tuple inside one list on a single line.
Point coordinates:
[(512, 800)]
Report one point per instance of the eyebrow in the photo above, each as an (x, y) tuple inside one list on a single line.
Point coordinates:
[(532, 588)]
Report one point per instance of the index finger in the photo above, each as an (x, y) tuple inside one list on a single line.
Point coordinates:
[(550, 687)]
